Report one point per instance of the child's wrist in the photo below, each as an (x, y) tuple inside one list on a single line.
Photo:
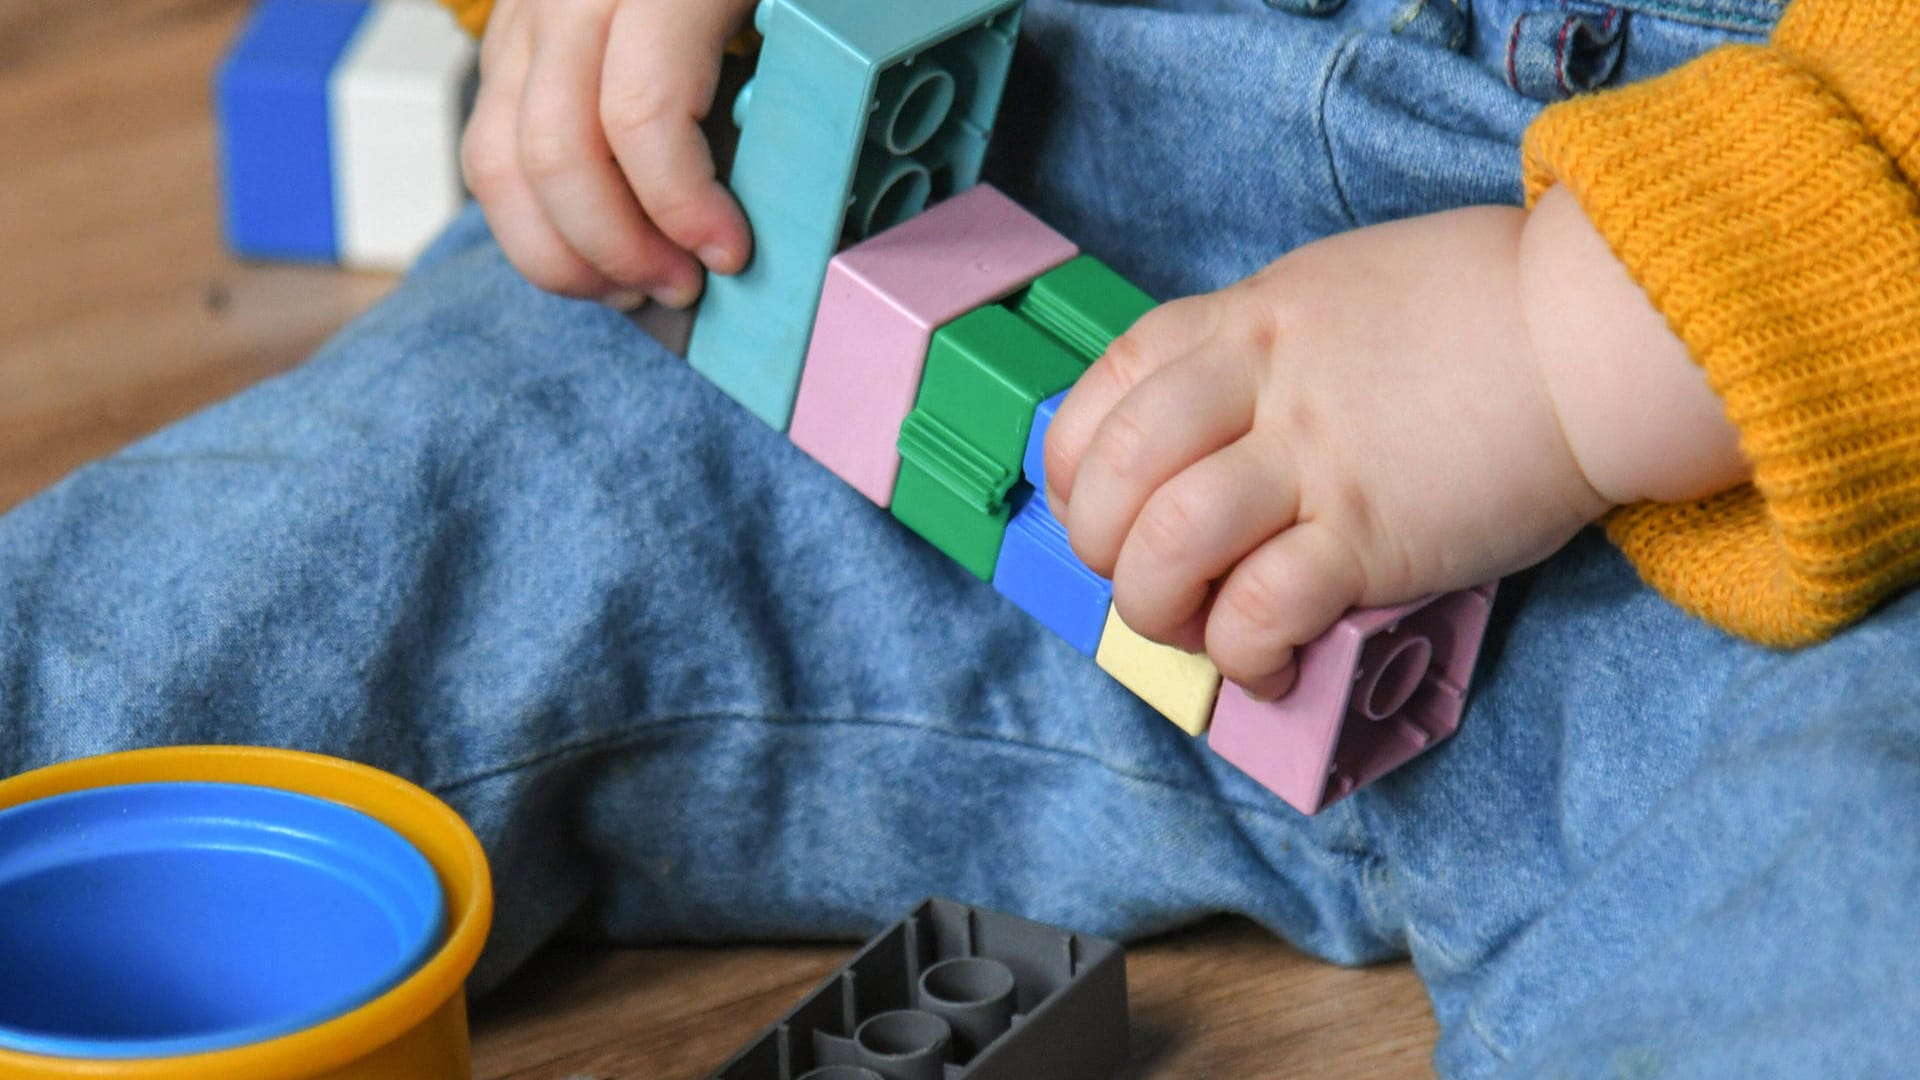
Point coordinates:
[(1638, 415)]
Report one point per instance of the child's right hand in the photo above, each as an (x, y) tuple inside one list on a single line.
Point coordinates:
[(585, 148)]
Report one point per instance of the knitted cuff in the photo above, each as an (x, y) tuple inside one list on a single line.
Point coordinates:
[(473, 14), (1776, 235)]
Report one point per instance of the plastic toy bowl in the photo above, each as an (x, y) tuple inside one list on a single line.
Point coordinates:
[(235, 913)]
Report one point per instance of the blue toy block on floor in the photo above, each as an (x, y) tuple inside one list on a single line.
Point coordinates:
[(859, 116), (276, 164), (1039, 572)]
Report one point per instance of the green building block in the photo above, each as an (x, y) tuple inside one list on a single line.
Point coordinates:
[(961, 447), (952, 494), (1084, 304), (986, 373)]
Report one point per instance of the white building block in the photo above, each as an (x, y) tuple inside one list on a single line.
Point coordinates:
[(398, 101)]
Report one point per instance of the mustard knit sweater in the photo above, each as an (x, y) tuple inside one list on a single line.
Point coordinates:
[(1767, 198)]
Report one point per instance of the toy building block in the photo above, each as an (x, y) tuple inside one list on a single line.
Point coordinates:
[(955, 992), (340, 126), (881, 304), (399, 100), (276, 158), (1379, 689), (961, 447), (1181, 686), (859, 116), (1034, 465), (1084, 304), (1039, 572)]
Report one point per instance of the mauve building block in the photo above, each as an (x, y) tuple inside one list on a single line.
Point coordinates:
[(1379, 689), (881, 304)]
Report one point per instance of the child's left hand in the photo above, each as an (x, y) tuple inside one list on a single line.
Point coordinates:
[(1364, 422)]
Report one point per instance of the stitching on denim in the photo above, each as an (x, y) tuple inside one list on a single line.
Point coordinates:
[(624, 735), (1487, 1038), (1405, 16), (1513, 48), (1323, 91), (1373, 868), (1738, 16), (1560, 54)]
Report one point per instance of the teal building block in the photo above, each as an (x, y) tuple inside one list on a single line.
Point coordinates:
[(858, 117)]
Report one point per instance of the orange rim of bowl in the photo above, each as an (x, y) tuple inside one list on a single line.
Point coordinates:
[(426, 822)]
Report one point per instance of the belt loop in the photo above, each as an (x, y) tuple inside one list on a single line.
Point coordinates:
[(1446, 23), (1553, 55)]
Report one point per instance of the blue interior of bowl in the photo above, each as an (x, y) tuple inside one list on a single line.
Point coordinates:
[(154, 920)]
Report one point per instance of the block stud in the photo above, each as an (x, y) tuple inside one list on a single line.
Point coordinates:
[(915, 100), (973, 994), (905, 1044)]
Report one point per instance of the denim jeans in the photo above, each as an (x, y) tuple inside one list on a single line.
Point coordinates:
[(688, 686)]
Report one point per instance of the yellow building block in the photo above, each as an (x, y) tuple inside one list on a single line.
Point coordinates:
[(1180, 685)]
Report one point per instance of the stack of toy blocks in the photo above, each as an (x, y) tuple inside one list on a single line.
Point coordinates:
[(340, 130), (923, 362)]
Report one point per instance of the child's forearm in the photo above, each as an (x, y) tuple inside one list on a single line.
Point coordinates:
[(1637, 412)]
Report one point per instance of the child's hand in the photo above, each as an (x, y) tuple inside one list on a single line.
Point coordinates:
[(585, 148), (1368, 421)]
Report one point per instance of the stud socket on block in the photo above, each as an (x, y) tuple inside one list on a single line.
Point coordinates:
[(905, 1044), (974, 995)]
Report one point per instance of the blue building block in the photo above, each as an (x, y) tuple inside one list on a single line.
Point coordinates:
[(276, 166), (1039, 572), (1034, 465), (859, 116)]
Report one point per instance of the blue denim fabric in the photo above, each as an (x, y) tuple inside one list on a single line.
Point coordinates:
[(686, 685)]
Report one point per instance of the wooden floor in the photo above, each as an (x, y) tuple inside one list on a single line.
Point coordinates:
[(118, 313)]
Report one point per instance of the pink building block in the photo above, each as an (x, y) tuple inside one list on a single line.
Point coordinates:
[(1380, 688), (883, 300)]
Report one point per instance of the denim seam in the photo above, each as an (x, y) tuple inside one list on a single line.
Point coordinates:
[(1513, 51), (1323, 91), (1560, 55), (623, 735), (1471, 1016), (1370, 875), (1709, 15)]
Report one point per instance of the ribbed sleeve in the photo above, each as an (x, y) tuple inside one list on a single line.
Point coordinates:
[(1765, 199)]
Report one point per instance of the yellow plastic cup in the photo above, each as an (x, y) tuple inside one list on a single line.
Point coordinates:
[(416, 1031)]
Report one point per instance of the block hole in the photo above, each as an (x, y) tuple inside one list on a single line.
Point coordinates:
[(915, 101), (968, 980), (905, 1044), (975, 995), (900, 191), (1392, 674)]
